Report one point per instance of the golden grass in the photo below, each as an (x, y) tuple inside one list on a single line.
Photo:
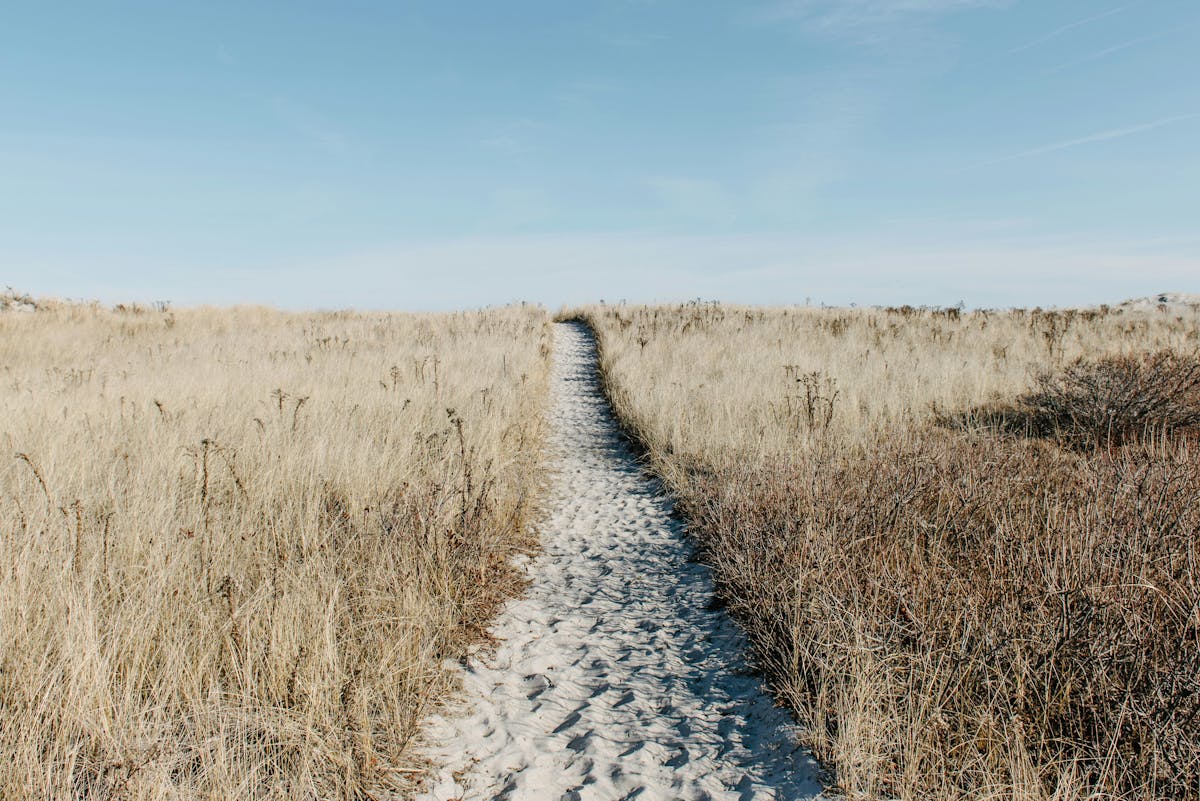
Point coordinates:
[(751, 382), (964, 586), (237, 545)]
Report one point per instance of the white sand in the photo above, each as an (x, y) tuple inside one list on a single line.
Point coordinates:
[(1164, 301), (613, 679), (10, 305)]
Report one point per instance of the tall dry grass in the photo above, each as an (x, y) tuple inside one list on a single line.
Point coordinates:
[(963, 544), (237, 545)]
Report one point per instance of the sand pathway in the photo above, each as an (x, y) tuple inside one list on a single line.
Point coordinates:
[(614, 679)]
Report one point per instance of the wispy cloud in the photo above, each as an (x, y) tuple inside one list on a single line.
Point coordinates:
[(574, 268), (836, 16), (314, 127), (586, 92), (693, 198), (876, 267), (1102, 136), (1108, 51), (511, 137), (1068, 27), (643, 39), (516, 208)]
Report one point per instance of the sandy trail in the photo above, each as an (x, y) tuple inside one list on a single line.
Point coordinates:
[(614, 679)]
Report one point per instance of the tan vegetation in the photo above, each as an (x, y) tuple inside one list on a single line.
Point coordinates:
[(11, 300), (236, 546), (963, 544)]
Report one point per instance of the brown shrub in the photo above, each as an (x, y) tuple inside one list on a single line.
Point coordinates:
[(1110, 401), (960, 617)]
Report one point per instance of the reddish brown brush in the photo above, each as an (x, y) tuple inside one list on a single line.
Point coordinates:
[(949, 604), (1003, 608), (1110, 401)]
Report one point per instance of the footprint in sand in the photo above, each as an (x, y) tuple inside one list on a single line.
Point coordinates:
[(616, 677)]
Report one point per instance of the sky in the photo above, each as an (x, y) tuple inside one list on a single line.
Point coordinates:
[(440, 155)]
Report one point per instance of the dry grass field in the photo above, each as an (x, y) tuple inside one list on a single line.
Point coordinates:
[(237, 545), (963, 544)]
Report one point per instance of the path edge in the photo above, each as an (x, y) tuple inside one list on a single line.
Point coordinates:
[(644, 455)]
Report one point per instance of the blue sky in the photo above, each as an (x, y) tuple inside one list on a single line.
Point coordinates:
[(418, 155)]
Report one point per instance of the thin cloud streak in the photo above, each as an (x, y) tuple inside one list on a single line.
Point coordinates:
[(919, 268), (849, 15), (740, 269), (315, 128), (1108, 51), (1071, 26), (1103, 136)]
